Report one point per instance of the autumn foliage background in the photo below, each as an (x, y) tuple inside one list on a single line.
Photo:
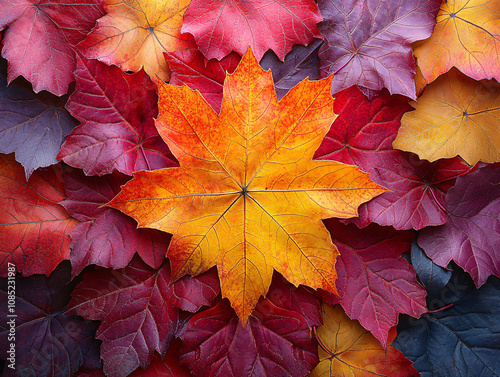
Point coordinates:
[(307, 234)]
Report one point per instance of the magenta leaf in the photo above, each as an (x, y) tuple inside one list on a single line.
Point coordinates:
[(117, 131), (471, 236), (368, 42)]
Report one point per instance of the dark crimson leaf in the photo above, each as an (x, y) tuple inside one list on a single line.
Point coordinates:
[(35, 229), (368, 42), (47, 342), (375, 282), (362, 135), (168, 367), (191, 68), (299, 63), (107, 237), (40, 36), (138, 309), (117, 130), (462, 340), (276, 341), (221, 27), (31, 125), (432, 276), (471, 236)]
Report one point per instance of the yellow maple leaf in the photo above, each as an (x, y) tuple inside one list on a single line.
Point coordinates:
[(247, 196), (135, 33), (456, 115), (467, 36)]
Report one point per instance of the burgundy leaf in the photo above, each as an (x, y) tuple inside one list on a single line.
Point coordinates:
[(368, 42), (107, 237), (375, 282), (40, 36), (117, 130), (276, 341), (190, 67), (299, 63), (362, 135), (31, 125), (47, 342), (471, 236), (137, 307)]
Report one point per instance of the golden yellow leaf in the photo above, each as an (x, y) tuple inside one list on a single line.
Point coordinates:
[(454, 116), (247, 196)]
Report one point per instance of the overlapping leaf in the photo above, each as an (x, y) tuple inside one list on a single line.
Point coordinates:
[(471, 236), (247, 196), (135, 33), (368, 42), (117, 130), (189, 67), (34, 228), (138, 309), (31, 125), (454, 116), (467, 36), (300, 63), (277, 340), (220, 27), (459, 340), (40, 38), (47, 342), (362, 135), (106, 237), (375, 283), (349, 350)]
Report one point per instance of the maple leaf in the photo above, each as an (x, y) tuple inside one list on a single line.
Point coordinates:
[(375, 282), (471, 236), (106, 237), (362, 135), (247, 196), (138, 309), (40, 37), (48, 343), (117, 130), (220, 27), (190, 67), (461, 339), (35, 228), (368, 42), (347, 349), (31, 125), (456, 115), (300, 63), (466, 36), (135, 33), (277, 340)]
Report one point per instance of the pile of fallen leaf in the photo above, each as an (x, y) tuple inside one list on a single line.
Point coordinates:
[(223, 214)]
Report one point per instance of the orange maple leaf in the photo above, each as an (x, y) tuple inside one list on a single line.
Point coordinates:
[(467, 36), (456, 115), (247, 196), (135, 33), (347, 349)]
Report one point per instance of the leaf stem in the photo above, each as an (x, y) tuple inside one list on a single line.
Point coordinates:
[(321, 343), (437, 201), (145, 158), (443, 308)]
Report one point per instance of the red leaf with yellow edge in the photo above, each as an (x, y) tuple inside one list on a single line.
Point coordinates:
[(220, 27), (247, 196), (34, 227), (466, 36), (375, 282), (135, 33), (454, 116), (347, 349)]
